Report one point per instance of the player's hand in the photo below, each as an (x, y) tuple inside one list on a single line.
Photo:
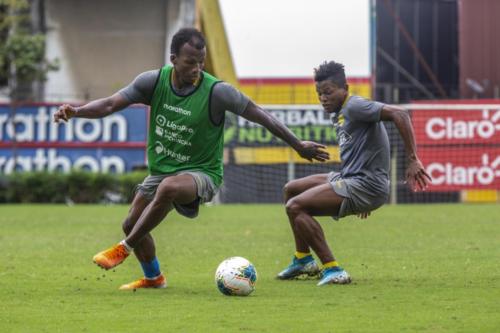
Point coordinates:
[(65, 112), (313, 151), (416, 176), (364, 215)]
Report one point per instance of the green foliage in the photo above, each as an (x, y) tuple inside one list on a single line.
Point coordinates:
[(13, 13), (27, 54), (34, 187), (77, 186), (415, 269), (84, 187), (22, 53)]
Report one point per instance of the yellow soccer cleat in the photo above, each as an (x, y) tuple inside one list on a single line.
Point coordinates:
[(111, 257), (158, 282)]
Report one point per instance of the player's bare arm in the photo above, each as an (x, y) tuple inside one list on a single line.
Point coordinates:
[(306, 149), (96, 109), (416, 176)]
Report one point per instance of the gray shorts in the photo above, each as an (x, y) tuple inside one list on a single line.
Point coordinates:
[(205, 189), (358, 197)]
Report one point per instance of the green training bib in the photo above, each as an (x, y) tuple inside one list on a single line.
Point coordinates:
[(181, 134)]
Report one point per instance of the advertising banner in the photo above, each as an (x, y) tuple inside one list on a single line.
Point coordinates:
[(457, 168), (452, 126), (250, 143), (459, 143), (31, 141)]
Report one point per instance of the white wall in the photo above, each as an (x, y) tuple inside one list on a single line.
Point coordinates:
[(102, 45)]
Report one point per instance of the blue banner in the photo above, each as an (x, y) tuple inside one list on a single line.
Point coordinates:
[(31, 141)]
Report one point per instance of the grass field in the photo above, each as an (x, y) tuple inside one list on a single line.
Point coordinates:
[(418, 268)]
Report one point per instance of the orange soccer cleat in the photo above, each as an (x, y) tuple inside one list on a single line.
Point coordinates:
[(111, 257), (158, 282)]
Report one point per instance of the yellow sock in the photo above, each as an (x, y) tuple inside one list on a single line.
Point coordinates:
[(300, 255), (331, 264)]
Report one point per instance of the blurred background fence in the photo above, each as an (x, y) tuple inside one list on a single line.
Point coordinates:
[(458, 142), (438, 58)]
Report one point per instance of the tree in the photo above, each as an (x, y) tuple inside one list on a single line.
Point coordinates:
[(22, 48), (22, 54)]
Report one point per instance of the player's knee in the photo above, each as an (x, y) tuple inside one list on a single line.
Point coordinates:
[(127, 226), (293, 207), (289, 190), (166, 192)]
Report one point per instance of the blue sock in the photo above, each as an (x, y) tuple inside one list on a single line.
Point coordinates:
[(151, 269)]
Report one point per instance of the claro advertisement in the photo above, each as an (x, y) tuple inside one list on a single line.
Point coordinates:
[(459, 144)]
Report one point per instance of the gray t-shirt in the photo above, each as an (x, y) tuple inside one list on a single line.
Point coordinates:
[(364, 144), (224, 96)]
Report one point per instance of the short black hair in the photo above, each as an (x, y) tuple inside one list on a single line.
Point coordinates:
[(187, 35), (332, 71)]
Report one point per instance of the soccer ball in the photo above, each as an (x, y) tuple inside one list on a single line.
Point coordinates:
[(236, 276)]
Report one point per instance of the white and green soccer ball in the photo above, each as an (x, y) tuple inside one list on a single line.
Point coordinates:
[(236, 276)]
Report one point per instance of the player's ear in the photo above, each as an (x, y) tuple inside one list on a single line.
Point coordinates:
[(173, 58), (346, 87)]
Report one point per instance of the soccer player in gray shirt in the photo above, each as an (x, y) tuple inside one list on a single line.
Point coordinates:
[(361, 186)]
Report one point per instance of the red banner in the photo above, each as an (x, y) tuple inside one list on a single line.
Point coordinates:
[(455, 124), (457, 168)]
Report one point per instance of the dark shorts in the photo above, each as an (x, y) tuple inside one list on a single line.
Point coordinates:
[(205, 188), (358, 197)]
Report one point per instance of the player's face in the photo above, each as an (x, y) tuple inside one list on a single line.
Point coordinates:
[(330, 95), (188, 64)]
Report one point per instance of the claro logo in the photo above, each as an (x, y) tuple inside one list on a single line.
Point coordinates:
[(453, 174), (449, 128)]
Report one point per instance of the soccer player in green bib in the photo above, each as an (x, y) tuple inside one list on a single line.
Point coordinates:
[(185, 145)]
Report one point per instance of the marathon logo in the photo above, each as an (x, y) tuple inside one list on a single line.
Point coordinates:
[(31, 141), (39, 127), (176, 109), (49, 160)]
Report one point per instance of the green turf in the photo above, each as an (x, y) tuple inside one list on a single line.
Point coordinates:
[(418, 268)]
